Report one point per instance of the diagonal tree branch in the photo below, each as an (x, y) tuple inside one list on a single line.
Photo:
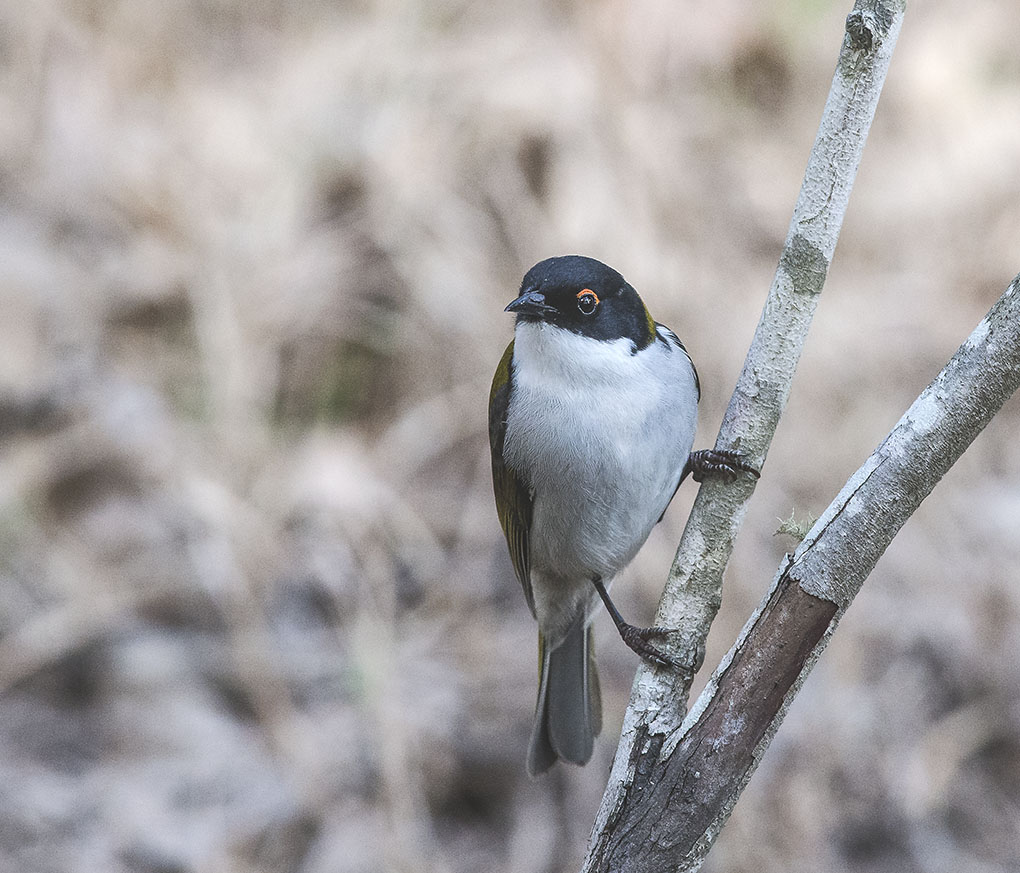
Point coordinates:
[(693, 778), (693, 591)]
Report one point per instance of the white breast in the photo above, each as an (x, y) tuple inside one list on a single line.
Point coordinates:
[(601, 435)]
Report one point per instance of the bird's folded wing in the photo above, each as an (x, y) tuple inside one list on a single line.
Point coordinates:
[(513, 499)]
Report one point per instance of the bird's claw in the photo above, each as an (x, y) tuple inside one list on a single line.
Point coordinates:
[(637, 639), (719, 462)]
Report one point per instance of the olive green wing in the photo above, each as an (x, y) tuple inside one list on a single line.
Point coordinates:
[(513, 499)]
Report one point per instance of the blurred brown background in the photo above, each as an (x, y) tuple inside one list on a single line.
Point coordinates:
[(256, 612)]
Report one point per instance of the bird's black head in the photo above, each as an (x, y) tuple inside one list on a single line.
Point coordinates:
[(584, 296)]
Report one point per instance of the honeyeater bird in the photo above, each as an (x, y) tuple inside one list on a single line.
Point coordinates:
[(592, 415)]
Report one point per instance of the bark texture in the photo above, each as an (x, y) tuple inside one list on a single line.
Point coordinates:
[(691, 780), (693, 591)]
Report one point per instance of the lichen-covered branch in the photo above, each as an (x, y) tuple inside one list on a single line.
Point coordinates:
[(692, 779), (693, 591)]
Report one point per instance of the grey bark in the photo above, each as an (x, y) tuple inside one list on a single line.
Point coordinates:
[(692, 596), (692, 778), (694, 589)]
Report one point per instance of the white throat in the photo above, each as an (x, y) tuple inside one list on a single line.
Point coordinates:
[(545, 354)]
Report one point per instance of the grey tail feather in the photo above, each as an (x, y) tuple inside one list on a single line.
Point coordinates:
[(568, 715)]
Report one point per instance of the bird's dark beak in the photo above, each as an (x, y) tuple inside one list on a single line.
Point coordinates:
[(530, 303)]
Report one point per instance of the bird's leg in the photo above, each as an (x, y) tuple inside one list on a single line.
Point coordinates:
[(636, 637), (717, 462)]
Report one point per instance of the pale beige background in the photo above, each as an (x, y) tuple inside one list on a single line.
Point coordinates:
[(255, 608)]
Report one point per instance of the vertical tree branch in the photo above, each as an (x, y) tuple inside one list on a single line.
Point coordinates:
[(693, 591)]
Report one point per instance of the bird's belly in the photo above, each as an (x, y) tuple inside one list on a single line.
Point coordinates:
[(591, 516), (588, 520), (601, 475)]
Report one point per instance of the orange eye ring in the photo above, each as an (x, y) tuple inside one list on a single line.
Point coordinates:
[(587, 301)]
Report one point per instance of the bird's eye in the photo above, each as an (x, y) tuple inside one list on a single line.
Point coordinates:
[(587, 301)]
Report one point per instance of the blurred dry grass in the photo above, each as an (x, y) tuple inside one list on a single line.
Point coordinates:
[(256, 612)]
